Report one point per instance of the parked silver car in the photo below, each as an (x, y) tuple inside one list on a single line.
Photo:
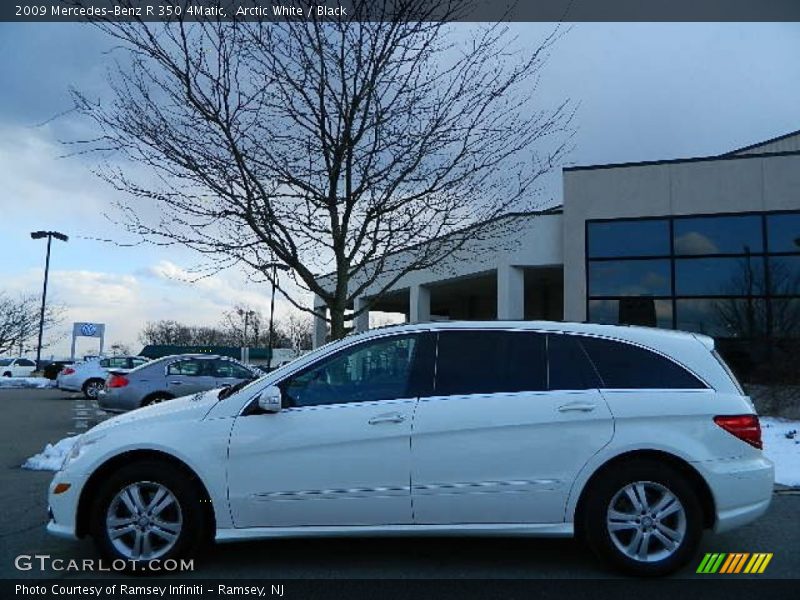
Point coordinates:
[(171, 377), (89, 376)]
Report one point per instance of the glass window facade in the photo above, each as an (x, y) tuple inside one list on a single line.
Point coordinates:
[(733, 277), (642, 238)]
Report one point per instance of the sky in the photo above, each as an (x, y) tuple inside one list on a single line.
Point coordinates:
[(644, 92)]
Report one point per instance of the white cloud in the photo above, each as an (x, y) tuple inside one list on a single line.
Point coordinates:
[(125, 302)]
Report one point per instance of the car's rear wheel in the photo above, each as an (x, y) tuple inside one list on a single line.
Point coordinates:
[(6, 374), (92, 388), (643, 517), (156, 399), (148, 511)]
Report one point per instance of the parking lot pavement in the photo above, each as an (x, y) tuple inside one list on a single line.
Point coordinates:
[(32, 418)]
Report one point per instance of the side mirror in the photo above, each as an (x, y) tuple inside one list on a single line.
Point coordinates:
[(270, 399)]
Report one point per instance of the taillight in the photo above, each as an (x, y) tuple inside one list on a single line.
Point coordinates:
[(117, 381), (745, 427), (68, 371)]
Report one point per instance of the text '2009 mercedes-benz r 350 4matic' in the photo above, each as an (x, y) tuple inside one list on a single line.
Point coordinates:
[(633, 439)]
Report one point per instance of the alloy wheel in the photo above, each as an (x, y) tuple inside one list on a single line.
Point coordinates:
[(93, 389), (646, 521), (144, 521)]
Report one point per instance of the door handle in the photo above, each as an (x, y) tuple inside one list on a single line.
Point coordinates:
[(387, 418), (577, 407), (176, 382)]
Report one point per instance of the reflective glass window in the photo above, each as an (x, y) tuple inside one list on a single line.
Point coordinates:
[(739, 234), (783, 232), (784, 275), (722, 317), (649, 312), (629, 238), (741, 276), (786, 319), (629, 278)]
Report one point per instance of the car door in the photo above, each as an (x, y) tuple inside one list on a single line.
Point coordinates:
[(496, 442), (228, 372), (24, 367), (338, 453), (189, 376)]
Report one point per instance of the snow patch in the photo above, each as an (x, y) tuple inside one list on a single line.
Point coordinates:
[(26, 382), (782, 446), (52, 457)]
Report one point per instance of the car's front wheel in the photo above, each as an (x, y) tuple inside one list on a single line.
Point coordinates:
[(6, 374), (148, 511), (644, 517)]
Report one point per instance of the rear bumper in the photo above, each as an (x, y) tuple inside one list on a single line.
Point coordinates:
[(742, 489), (117, 401)]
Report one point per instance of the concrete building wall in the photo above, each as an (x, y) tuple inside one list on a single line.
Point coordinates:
[(737, 183), (502, 254), (529, 240)]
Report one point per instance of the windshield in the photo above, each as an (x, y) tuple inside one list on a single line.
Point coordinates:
[(4, 362)]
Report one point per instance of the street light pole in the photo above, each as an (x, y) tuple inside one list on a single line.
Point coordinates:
[(274, 266), (37, 235)]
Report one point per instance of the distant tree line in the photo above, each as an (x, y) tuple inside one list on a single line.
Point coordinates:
[(242, 326)]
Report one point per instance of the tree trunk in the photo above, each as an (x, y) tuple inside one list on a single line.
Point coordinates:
[(337, 321)]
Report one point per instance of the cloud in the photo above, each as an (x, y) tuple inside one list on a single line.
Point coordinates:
[(695, 243), (126, 302)]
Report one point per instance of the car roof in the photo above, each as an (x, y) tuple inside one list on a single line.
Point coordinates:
[(633, 333)]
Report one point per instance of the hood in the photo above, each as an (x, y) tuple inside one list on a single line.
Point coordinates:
[(186, 408)]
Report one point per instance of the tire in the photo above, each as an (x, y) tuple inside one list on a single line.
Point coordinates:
[(172, 523), (92, 388), (6, 374), (156, 398), (647, 539)]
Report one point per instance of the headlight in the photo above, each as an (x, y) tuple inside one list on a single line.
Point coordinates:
[(79, 449)]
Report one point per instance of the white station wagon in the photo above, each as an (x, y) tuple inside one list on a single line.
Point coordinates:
[(633, 439)]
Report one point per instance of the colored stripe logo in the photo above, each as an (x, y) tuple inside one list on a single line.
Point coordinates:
[(734, 562)]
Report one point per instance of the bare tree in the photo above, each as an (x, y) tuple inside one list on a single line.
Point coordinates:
[(243, 326), (297, 329), (119, 349), (165, 332), (327, 146), (19, 322)]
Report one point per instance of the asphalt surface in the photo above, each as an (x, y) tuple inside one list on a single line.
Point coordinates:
[(32, 418)]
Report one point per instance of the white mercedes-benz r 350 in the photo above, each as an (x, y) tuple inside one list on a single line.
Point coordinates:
[(632, 439)]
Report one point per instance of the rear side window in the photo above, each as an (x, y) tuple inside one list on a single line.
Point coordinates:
[(624, 366), (570, 368), (486, 362)]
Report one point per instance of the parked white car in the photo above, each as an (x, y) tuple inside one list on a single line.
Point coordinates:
[(16, 367), (89, 376), (633, 439)]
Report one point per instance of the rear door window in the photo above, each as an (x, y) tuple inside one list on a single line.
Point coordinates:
[(570, 367), (625, 366), (487, 362), (191, 368)]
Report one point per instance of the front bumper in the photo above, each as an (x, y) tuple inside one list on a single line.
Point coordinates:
[(742, 489), (63, 508)]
